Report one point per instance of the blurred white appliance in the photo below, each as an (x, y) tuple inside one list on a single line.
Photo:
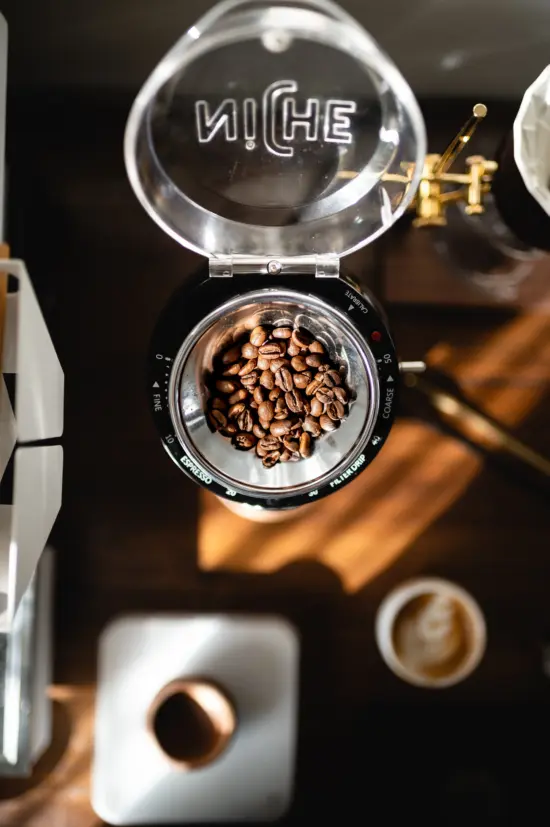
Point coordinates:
[(31, 417)]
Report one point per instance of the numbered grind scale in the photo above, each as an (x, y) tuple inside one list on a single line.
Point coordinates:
[(273, 140)]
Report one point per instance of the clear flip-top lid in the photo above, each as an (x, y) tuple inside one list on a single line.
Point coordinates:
[(275, 130)]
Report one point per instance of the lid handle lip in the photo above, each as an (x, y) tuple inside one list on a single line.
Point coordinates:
[(318, 266)]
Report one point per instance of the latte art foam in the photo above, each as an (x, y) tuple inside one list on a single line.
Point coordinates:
[(432, 635)]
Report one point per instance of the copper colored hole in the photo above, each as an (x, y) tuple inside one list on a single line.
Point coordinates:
[(192, 722)]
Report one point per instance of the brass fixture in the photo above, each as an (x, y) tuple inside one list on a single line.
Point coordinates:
[(433, 195)]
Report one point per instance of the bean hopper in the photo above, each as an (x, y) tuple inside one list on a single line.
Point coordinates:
[(274, 139)]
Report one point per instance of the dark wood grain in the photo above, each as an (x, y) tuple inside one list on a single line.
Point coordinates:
[(131, 527)]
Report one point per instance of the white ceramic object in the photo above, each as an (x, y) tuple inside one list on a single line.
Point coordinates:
[(532, 139), (26, 522), (255, 660), (257, 514), (396, 601)]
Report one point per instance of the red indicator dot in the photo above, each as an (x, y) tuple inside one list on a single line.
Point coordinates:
[(376, 336)]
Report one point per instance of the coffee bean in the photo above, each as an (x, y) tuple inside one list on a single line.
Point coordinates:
[(317, 407), (301, 380), (226, 386), (312, 426), (245, 421), (236, 410), (326, 423), (267, 379), (324, 395), (269, 443), (282, 333), (336, 410), (245, 441), (258, 395), (283, 378), (258, 336), (294, 401), (272, 350), (313, 387), (314, 360), (217, 419), (277, 364), (300, 338), (248, 367), (250, 379), (332, 378), (280, 428), (260, 451), (271, 459), (266, 411), (249, 351), (238, 396), (233, 370), (341, 395), (231, 355), (229, 430), (305, 445), (298, 363)]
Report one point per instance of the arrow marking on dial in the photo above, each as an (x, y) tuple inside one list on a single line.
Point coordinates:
[(350, 307), (156, 385), (389, 379)]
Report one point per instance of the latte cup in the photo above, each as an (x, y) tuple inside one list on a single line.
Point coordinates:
[(430, 632)]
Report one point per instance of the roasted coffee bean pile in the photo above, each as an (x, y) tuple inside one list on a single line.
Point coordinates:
[(276, 392)]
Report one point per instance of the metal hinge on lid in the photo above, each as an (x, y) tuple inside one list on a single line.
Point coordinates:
[(320, 266)]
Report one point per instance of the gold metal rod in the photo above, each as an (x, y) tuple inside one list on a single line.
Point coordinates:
[(455, 177), (459, 142), (450, 197), (392, 176), (478, 427), (386, 176)]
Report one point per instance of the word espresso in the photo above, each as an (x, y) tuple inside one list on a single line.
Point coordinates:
[(277, 120), (275, 393)]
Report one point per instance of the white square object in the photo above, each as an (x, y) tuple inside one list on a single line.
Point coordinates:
[(255, 660)]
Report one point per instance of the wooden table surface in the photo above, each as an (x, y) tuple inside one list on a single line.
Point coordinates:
[(135, 535)]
